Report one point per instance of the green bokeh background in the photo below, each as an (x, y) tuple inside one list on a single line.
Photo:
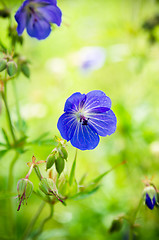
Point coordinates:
[(130, 77)]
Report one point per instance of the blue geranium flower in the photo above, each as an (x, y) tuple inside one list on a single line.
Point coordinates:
[(36, 16), (86, 117)]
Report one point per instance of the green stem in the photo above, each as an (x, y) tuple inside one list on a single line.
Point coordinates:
[(39, 231), (132, 222), (33, 221), (8, 116), (10, 179), (17, 106), (72, 173), (38, 173), (10, 203), (30, 171)]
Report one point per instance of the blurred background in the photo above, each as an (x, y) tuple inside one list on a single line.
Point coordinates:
[(112, 46)]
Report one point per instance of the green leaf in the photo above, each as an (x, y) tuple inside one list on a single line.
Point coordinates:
[(21, 125), (3, 152), (3, 48), (5, 137), (41, 141), (99, 178), (82, 179), (85, 194), (72, 173), (2, 144), (59, 163)]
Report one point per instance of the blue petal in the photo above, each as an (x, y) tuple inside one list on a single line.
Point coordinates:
[(66, 125), (150, 203), (38, 28), (51, 13), (103, 123), (96, 99), (74, 102), (21, 18), (54, 2), (84, 137)]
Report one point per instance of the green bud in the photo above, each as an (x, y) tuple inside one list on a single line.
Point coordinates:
[(50, 161), (4, 13), (25, 70), (47, 186), (63, 153), (25, 189), (3, 64), (11, 68), (116, 225), (59, 163)]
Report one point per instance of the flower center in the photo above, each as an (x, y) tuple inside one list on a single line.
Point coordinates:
[(84, 120), (81, 118)]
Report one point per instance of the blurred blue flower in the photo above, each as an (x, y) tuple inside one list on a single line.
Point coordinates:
[(36, 16), (89, 59), (86, 117)]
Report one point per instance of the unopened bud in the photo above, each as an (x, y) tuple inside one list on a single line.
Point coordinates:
[(3, 64), (63, 152), (47, 186), (59, 163), (25, 70), (25, 189), (116, 225), (50, 161), (150, 196), (4, 13), (11, 68)]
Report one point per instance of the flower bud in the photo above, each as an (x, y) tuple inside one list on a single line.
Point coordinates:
[(3, 64), (50, 161), (25, 189), (25, 70), (4, 13), (59, 163), (150, 196), (63, 152), (47, 186), (11, 68), (116, 225)]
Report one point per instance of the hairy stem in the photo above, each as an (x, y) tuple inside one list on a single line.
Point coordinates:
[(33, 221)]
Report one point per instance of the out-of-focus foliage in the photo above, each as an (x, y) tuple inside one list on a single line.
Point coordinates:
[(130, 76)]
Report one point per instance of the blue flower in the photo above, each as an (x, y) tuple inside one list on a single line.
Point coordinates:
[(86, 117), (36, 16), (150, 195)]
